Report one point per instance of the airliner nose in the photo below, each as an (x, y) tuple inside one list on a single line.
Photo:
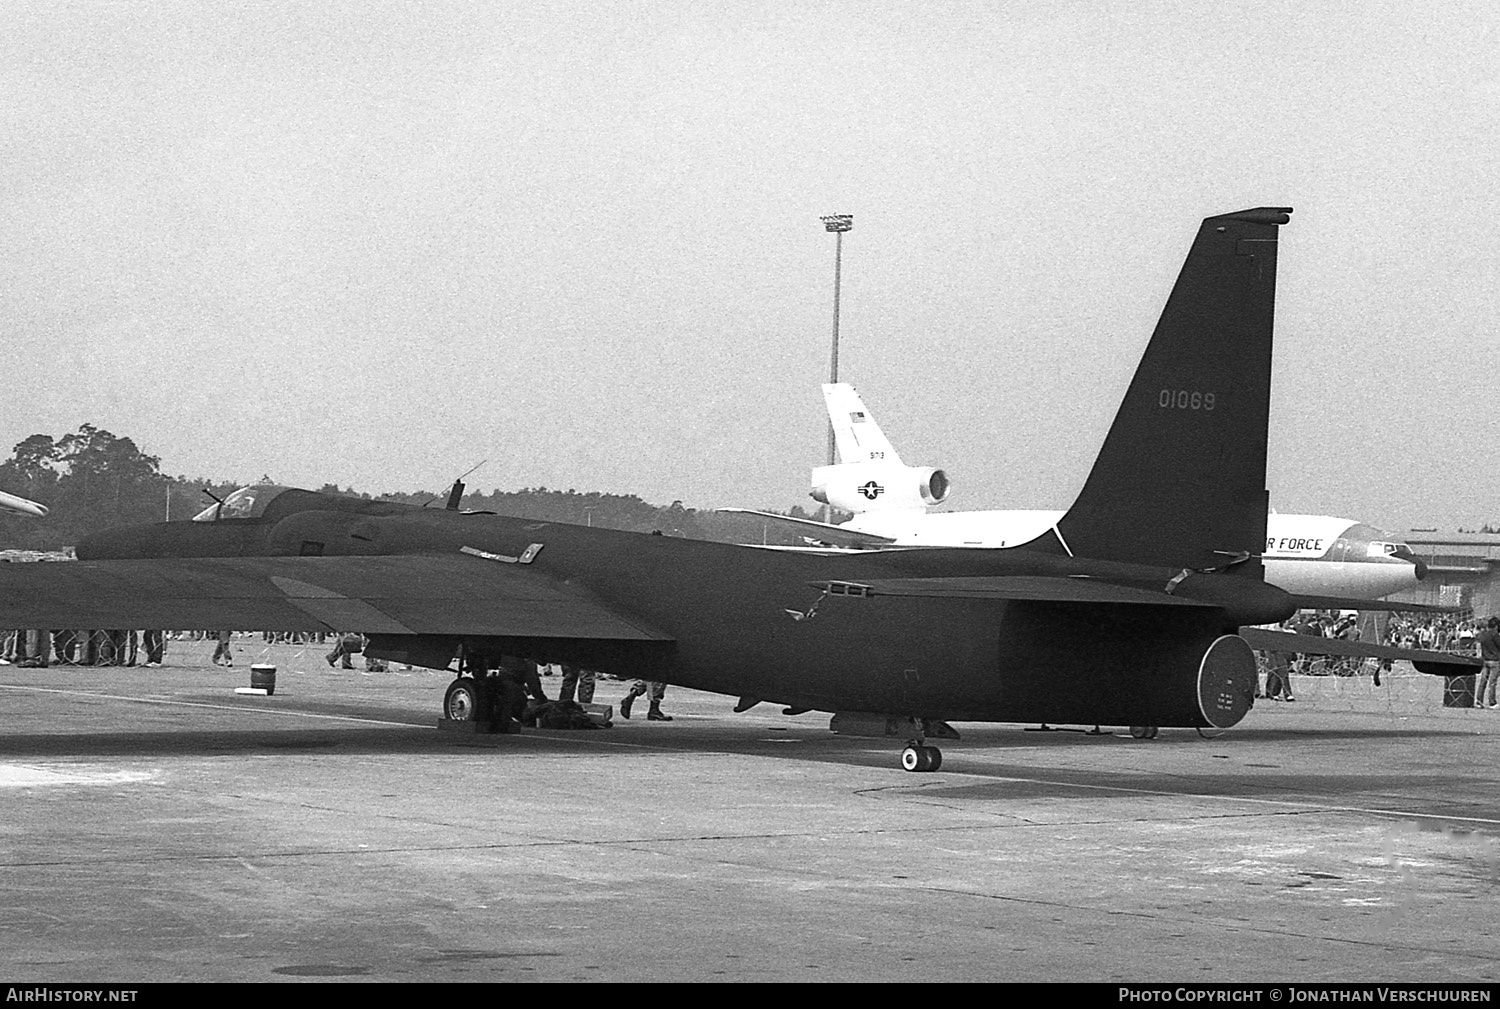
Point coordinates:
[(1405, 553)]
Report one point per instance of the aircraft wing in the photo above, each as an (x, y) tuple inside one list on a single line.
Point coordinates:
[(1436, 663), (1034, 588), (1306, 602), (444, 594), (21, 506), (833, 535)]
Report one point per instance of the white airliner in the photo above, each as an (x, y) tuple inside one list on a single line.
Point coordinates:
[(1305, 554), (11, 503)]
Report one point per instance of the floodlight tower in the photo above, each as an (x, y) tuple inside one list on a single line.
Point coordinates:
[(838, 224)]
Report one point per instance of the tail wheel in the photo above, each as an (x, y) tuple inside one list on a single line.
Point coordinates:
[(1144, 731), (917, 757), (461, 702)]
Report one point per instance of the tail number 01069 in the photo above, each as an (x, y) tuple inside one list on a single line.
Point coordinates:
[(1184, 399)]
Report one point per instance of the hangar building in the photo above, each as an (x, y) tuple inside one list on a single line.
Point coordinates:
[(1463, 569)]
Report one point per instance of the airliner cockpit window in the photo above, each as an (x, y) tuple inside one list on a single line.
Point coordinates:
[(245, 503)]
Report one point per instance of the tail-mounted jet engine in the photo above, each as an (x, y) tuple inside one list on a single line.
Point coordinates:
[(871, 486)]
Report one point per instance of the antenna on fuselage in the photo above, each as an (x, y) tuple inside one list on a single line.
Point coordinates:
[(456, 493)]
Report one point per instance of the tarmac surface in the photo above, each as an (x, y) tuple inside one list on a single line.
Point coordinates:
[(155, 826)]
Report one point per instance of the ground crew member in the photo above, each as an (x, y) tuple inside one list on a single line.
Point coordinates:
[(656, 690)]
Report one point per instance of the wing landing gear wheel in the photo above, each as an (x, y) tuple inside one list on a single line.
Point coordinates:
[(1144, 731), (917, 757), (461, 702)]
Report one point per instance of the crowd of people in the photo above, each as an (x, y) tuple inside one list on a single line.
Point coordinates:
[(41, 649), (1433, 633), (1420, 631)]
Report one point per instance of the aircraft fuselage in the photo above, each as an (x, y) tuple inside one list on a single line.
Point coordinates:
[(1305, 554), (744, 621)]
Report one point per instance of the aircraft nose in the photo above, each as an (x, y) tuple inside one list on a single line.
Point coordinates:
[(1405, 553)]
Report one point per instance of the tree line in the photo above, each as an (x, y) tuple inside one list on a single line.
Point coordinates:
[(92, 479)]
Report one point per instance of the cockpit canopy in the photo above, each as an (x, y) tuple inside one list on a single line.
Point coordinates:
[(245, 503)]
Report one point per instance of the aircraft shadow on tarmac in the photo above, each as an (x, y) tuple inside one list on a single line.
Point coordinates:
[(982, 754), (1030, 782), (372, 740)]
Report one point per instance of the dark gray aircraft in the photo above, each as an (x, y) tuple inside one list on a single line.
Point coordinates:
[(1128, 612)]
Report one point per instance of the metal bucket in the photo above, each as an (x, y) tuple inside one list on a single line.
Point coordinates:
[(263, 677)]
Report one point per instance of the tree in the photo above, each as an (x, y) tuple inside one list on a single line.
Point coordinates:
[(32, 469), (94, 451), (90, 480), (35, 458)]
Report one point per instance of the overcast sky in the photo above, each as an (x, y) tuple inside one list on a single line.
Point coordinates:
[(373, 244)]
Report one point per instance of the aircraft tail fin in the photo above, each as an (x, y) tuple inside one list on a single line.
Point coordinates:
[(855, 433), (1181, 478)]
